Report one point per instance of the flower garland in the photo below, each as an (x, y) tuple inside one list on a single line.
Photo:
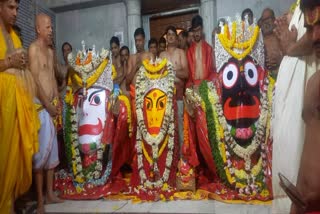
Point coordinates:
[(90, 62), (231, 43), (154, 67), (75, 78), (80, 176), (147, 156), (211, 123), (76, 158), (222, 140), (167, 128), (114, 72), (94, 77), (153, 141), (244, 153)]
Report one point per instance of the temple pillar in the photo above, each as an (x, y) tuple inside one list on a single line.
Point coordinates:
[(134, 21), (208, 12)]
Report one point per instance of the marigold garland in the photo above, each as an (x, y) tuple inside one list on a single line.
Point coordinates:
[(147, 156), (93, 78), (230, 44), (126, 102), (154, 68)]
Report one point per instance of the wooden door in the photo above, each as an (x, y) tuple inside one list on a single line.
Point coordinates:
[(180, 21)]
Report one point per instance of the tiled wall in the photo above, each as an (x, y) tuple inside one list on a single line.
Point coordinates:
[(28, 9)]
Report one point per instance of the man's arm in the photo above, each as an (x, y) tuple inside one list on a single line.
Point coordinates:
[(302, 47), (311, 98), (133, 66), (56, 70), (15, 60), (129, 73), (183, 72), (290, 46)]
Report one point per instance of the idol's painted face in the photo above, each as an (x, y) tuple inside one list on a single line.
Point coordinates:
[(240, 94), (155, 103), (312, 23), (91, 112)]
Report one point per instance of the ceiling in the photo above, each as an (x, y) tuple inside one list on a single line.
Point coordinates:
[(156, 6), (147, 6)]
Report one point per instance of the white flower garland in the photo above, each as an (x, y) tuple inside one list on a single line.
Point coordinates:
[(244, 153), (259, 140), (78, 170), (167, 128)]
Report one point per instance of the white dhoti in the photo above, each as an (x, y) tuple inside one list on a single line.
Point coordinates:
[(47, 157), (287, 124)]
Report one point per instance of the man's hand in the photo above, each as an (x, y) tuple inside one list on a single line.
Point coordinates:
[(53, 110), (17, 59), (287, 37), (271, 62)]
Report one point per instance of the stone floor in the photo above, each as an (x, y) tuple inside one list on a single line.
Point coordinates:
[(209, 206)]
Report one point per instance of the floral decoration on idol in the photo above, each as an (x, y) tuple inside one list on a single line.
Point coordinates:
[(155, 77), (238, 111), (90, 83)]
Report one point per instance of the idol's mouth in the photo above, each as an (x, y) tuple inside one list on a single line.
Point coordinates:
[(154, 130), (234, 110), (89, 129)]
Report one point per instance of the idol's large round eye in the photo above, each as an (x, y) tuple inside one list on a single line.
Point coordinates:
[(251, 73), (95, 101), (230, 75)]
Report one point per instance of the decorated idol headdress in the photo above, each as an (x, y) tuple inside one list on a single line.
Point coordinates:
[(155, 80), (92, 67), (238, 39)]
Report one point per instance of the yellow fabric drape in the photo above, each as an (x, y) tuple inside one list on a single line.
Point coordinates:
[(19, 125)]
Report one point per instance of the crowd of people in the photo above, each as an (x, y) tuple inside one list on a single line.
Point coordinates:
[(182, 115)]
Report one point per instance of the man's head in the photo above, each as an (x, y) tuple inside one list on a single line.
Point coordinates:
[(139, 39), (124, 54), (197, 26), (266, 21), (162, 44), (8, 12), (171, 33), (44, 28), (190, 38), (247, 12), (66, 49), (183, 35), (311, 10), (153, 46), (115, 46)]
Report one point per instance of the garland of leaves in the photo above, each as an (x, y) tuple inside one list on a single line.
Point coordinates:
[(203, 90), (67, 141)]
